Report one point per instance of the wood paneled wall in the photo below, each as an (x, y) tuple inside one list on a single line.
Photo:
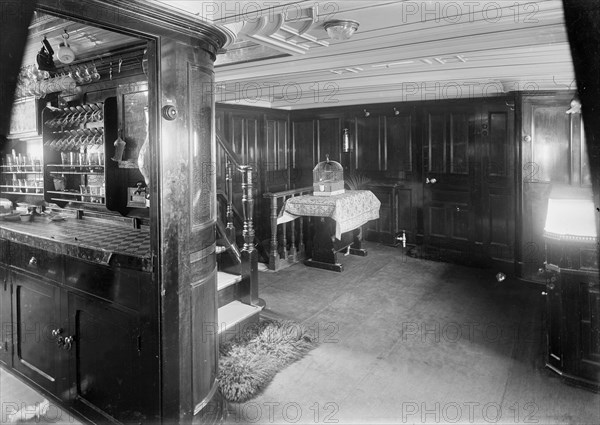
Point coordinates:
[(491, 181)]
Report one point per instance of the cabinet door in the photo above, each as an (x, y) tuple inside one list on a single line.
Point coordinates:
[(5, 319), (105, 361), (37, 314), (554, 324), (582, 326)]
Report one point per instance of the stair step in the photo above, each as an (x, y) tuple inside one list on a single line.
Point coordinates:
[(225, 280), (233, 316)]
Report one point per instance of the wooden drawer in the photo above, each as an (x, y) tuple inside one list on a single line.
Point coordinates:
[(121, 286), (39, 262)]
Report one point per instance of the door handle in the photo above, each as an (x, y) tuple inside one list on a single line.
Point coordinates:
[(68, 343)]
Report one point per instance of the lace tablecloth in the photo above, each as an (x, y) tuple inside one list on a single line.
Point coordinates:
[(349, 210)]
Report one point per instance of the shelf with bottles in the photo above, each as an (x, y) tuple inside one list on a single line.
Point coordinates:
[(74, 143)]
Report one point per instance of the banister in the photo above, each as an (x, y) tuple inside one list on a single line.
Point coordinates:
[(287, 192), (233, 157), (248, 288)]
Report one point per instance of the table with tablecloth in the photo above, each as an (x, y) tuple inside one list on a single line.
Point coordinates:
[(349, 211)]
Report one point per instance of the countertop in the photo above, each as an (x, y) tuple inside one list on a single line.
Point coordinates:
[(96, 240)]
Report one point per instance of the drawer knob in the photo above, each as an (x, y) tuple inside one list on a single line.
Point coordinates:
[(33, 261)]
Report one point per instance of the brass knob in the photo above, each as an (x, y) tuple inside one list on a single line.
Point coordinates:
[(68, 343), (33, 261), (56, 332)]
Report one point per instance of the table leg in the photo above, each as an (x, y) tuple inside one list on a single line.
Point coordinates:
[(356, 247), (324, 254)]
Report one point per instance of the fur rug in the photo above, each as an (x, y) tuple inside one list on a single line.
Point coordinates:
[(249, 362)]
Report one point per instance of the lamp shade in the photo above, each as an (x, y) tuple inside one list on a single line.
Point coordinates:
[(571, 215)]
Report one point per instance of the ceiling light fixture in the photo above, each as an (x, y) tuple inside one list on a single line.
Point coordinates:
[(341, 29), (65, 53)]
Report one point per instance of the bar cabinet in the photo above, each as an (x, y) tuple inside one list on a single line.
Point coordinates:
[(109, 306)]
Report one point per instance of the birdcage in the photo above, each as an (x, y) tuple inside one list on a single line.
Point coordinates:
[(328, 178)]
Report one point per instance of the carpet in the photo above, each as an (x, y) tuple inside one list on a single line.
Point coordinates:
[(249, 362)]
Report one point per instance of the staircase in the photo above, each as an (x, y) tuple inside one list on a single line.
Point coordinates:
[(237, 277)]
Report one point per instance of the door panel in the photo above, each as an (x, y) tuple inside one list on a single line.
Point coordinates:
[(447, 186), (37, 313), (303, 138), (468, 192), (105, 376), (368, 144), (329, 141)]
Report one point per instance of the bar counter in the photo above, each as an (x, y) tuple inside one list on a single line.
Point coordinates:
[(95, 240)]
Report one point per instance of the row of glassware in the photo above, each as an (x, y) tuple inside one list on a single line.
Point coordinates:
[(77, 115), (85, 157), (76, 139)]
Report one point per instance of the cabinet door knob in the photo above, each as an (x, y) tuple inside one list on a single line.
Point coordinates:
[(544, 293), (68, 343), (33, 261)]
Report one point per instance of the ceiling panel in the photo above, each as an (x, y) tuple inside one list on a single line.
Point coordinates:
[(402, 43)]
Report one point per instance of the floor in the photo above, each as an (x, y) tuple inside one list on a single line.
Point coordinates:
[(20, 401), (404, 340)]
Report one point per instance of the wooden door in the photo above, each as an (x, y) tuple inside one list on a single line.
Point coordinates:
[(468, 186), (450, 171), (38, 324), (6, 344)]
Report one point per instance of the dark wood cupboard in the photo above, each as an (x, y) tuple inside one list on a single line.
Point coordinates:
[(572, 293), (83, 332)]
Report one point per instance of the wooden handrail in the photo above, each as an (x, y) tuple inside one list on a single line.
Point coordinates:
[(231, 155), (288, 192)]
